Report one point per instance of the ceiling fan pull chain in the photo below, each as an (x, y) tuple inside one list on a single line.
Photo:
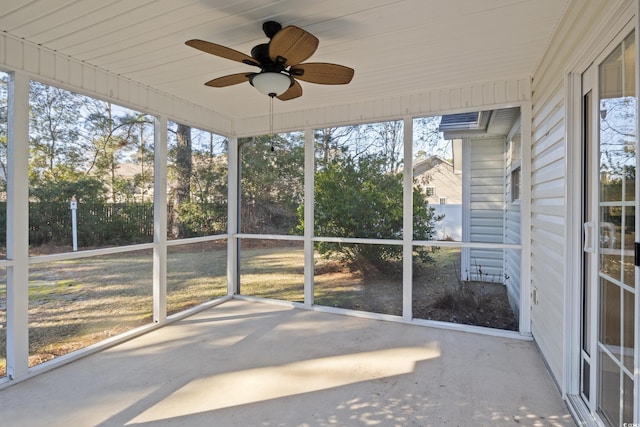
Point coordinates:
[(271, 96)]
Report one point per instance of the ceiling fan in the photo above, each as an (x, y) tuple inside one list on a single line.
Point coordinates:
[(280, 63)]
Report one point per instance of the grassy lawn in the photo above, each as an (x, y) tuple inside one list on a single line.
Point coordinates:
[(75, 303), (196, 273), (273, 272)]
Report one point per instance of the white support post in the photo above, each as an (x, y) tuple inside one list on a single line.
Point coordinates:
[(232, 218), (160, 220), (18, 227), (636, 349), (309, 173), (525, 222), (407, 228), (465, 252), (570, 381)]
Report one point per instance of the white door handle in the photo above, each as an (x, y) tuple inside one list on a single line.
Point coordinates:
[(588, 237)]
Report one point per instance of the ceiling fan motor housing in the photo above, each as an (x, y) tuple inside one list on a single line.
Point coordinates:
[(261, 54)]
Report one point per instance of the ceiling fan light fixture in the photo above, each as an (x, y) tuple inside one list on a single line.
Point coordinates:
[(271, 84)]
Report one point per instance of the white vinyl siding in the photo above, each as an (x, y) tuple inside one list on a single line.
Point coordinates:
[(512, 258), (547, 220), (486, 209), (571, 45)]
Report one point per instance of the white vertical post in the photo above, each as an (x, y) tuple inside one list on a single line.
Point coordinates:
[(232, 218), (407, 227), (636, 349), (73, 205), (309, 173), (160, 220), (525, 221), (18, 227)]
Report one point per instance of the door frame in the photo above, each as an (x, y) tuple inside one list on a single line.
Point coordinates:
[(574, 196)]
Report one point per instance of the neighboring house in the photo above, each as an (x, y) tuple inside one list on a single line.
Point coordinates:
[(442, 185), (438, 179)]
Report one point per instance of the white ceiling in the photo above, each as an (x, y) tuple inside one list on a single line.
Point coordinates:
[(396, 47)]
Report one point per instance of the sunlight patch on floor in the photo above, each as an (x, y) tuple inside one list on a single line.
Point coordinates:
[(259, 384)]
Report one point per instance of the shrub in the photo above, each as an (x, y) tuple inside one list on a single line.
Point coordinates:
[(358, 198)]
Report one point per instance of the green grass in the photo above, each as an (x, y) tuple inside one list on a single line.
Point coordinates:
[(75, 303), (276, 273), (195, 275)]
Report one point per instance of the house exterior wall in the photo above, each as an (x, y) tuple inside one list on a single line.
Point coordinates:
[(485, 200), (440, 175), (512, 223), (578, 41)]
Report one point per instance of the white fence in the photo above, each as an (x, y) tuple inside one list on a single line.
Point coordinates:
[(449, 227)]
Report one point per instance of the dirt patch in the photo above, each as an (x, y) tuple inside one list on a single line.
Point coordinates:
[(438, 292), (469, 303)]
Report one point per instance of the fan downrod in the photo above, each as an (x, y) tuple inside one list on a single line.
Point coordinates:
[(271, 28)]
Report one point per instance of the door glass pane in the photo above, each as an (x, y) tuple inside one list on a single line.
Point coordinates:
[(629, 330), (610, 242), (627, 402), (587, 282), (586, 378), (610, 315), (628, 265), (609, 390), (617, 112)]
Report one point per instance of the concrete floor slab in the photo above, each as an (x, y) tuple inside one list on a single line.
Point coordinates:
[(251, 364)]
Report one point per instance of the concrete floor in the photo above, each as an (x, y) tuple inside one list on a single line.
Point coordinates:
[(252, 364)]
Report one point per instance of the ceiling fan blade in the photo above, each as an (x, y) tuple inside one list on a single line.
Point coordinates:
[(222, 51), (292, 45), (293, 92), (230, 80), (322, 73)]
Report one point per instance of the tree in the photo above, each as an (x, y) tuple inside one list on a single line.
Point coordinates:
[(272, 182), (56, 149), (429, 140), (85, 190), (389, 143), (329, 142), (359, 198), (209, 167), (144, 155), (385, 138), (116, 136), (183, 167), (198, 165)]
